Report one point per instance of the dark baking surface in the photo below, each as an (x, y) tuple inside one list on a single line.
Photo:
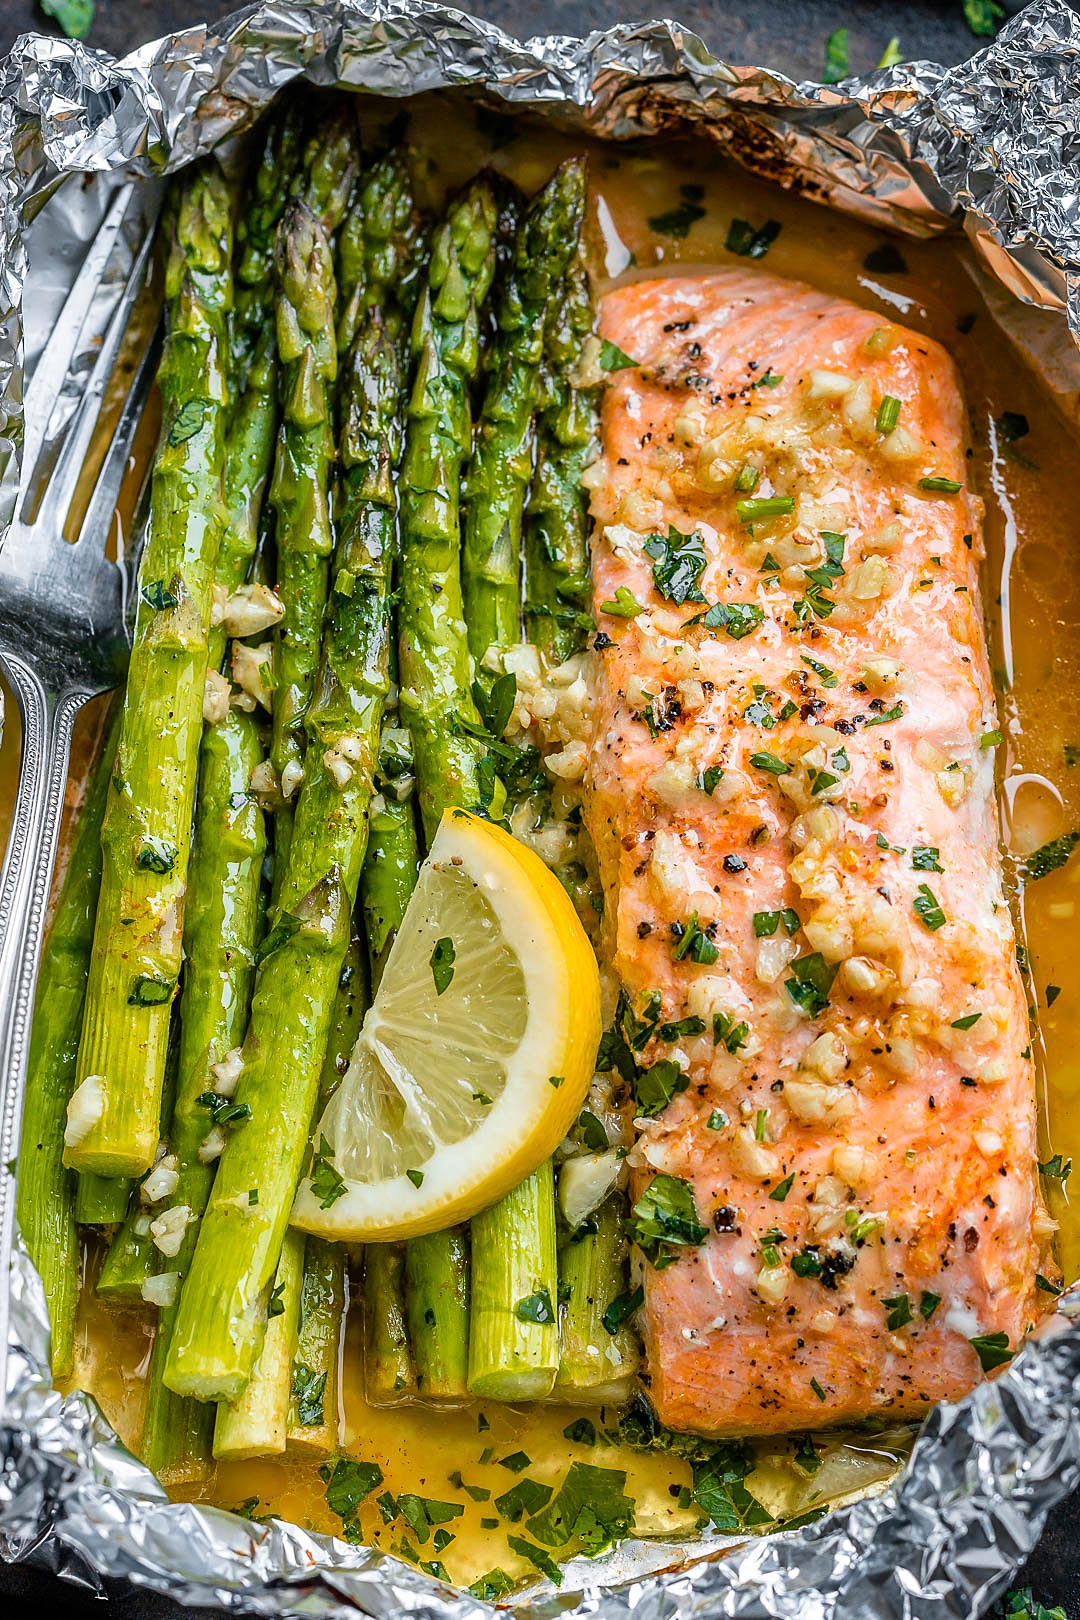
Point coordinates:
[(790, 35)]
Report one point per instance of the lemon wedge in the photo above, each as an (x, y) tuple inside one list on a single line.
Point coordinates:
[(475, 1056)]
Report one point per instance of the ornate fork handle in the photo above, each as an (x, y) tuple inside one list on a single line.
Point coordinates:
[(47, 720)]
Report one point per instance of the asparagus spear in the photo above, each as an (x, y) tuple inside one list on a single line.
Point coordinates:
[(389, 1374), (513, 1331), (437, 1309), (434, 655), (299, 491), (223, 1307), (597, 1361), (557, 516), (313, 1404), (45, 1191), (101, 1200), (393, 856), (379, 250), (220, 937), (254, 1425), (277, 160), (501, 465), (113, 1117)]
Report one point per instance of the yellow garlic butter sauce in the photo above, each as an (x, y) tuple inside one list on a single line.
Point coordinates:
[(1032, 492)]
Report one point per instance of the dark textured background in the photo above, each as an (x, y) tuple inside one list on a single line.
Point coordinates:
[(787, 34)]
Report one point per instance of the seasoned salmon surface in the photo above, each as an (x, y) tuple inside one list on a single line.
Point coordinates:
[(790, 787)]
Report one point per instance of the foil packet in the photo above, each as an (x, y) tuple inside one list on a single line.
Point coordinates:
[(990, 147)]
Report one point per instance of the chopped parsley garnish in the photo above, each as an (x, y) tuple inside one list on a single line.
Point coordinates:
[(817, 1389), (812, 979), (537, 1557), (592, 1131), (767, 922), (825, 675), (517, 1461), (924, 858), (1049, 857), (624, 606), (967, 1022), (347, 1482), (928, 1304), (681, 1029), (665, 1220), (897, 1312), (276, 1305), (155, 855), (622, 1308), (527, 1496), (992, 1350), (886, 260), (147, 990), (806, 1455), (491, 1587), (694, 944), (612, 358), (782, 1188), (807, 1263), (677, 221), (760, 508), (708, 779), (935, 485), (496, 705), (582, 1431), (678, 562), (990, 739), (769, 762), (1052, 993), (895, 713), (736, 619), (308, 1388), (590, 1508), (223, 1111), (888, 414), (820, 781), (1046, 1285), (717, 1120), (327, 1185), (1057, 1168), (442, 964), (654, 1088), (926, 908), (748, 243), (727, 1032), (416, 1177)]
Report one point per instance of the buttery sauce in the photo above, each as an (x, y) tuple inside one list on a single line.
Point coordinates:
[(659, 207)]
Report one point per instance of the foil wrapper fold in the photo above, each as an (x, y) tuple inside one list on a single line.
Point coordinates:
[(991, 147)]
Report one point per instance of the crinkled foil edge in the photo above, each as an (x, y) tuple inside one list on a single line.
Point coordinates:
[(989, 146)]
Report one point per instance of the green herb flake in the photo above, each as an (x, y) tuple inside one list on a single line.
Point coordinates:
[(747, 479), (536, 1556), (926, 908), (928, 1304), (678, 562), (654, 1088), (897, 1312), (968, 1021), (824, 674), (347, 1482), (1052, 993), (742, 239), (886, 716), (1057, 1169), (590, 1510), (665, 1220), (991, 739), (1046, 1285), (535, 1308), (763, 761), (760, 509), (736, 619), (612, 358), (526, 1497), (982, 17), (582, 1432), (817, 1389), (495, 1584), (308, 1389), (147, 990), (708, 779), (516, 1461), (676, 222), (1049, 857), (187, 421), (620, 1310), (327, 1185), (717, 1120), (155, 855), (782, 1188), (924, 858), (992, 1350), (416, 1177), (442, 964), (807, 1456), (811, 981)]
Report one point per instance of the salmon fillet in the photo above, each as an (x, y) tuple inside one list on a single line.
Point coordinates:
[(790, 787)]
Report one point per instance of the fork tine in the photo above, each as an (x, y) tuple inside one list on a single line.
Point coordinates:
[(99, 513), (44, 389), (65, 475)]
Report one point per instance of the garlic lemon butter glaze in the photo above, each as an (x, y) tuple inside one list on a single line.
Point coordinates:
[(650, 214)]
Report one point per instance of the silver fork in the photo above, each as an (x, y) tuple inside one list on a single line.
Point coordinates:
[(62, 627)]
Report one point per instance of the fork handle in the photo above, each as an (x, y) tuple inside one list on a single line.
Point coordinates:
[(47, 720)]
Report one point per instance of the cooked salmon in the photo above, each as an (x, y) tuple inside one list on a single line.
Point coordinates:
[(790, 787)]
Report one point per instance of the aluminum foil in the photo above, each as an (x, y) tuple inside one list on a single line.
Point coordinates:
[(991, 146)]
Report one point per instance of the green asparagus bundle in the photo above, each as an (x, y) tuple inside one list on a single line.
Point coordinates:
[(223, 1308), (113, 1116), (557, 516), (44, 1203), (501, 465)]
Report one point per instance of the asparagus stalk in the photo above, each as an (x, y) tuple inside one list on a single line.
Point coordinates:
[(557, 517), (389, 1374), (131, 1258), (393, 855), (45, 1190), (313, 1406), (222, 1310), (277, 161), (513, 1332), (437, 1310), (501, 465), (597, 1362), (101, 1200), (113, 1117), (255, 1424), (435, 667), (299, 491), (222, 928), (379, 249)]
